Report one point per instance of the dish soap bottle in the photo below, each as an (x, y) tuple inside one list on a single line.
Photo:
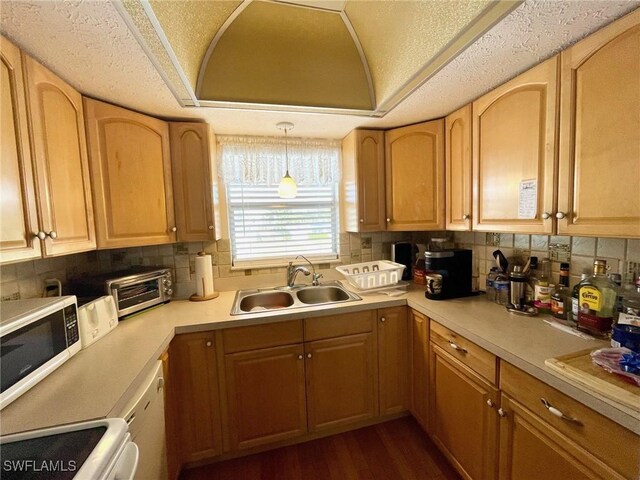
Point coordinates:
[(543, 288), (596, 301)]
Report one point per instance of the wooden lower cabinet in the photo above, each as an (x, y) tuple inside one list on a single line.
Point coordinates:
[(342, 381), (265, 395), (419, 375), (194, 381), (393, 360), (528, 447), (464, 422)]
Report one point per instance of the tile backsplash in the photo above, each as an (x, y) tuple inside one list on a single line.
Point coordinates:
[(26, 279)]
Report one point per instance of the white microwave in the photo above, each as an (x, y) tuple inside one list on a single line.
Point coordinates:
[(37, 335)]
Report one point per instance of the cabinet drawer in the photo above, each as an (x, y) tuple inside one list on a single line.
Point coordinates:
[(605, 439), (467, 352), (240, 339), (339, 325)]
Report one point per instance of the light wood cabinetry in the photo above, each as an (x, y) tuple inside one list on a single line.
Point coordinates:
[(458, 169), (194, 181), (419, 374), (464, 423), (342, 381), (514, 152), (583, 440), (130, 176), (363, 185), (415, 180), (599, 169), (18, 214), (265, 395), (170, 417), (194, 382), (60, 161), (393, 360)]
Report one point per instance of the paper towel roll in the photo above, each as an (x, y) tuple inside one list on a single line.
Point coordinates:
[(204, 276)]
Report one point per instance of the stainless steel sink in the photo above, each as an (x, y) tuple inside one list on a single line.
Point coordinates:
[(283, 298)]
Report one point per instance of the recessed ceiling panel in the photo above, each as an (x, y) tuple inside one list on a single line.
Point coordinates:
[(280, 54)]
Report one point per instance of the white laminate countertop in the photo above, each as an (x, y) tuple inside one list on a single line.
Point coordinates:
[(98, 381)]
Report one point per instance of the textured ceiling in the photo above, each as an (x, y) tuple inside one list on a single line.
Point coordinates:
[(90, 45)]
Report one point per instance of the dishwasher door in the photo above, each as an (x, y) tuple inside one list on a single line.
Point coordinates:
[(145, 416)]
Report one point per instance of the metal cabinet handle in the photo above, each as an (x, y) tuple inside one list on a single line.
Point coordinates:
[(466, 217), (382, 319), (558, 413), (362, 220), (388, 220), (52, 235), (208, 344), (173, 229), (560, 215), (546, 216), (210, 227), (308, 355), (41, 235), (490, 403), (502, 413), (300, 357), (457, 347)]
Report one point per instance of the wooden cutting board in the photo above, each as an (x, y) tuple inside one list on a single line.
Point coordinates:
[(579, 368)]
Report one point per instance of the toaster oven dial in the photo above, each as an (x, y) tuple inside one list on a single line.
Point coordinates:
[(167, 282), (168, 291)]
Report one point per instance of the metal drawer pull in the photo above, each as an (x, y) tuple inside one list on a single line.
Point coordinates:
[(502, 413), (558, 413), (457, 347), (490, 403)]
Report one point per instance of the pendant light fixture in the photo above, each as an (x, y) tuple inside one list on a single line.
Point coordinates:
[(287, 187)]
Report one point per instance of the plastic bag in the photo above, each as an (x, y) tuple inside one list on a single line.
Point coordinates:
[(621, 361)]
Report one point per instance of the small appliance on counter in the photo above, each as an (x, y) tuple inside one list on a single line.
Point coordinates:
[(404, 253), (96, 319), (448, 274), (133, 289)]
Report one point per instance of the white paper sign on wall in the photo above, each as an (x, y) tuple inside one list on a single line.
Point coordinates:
[(528, 199)]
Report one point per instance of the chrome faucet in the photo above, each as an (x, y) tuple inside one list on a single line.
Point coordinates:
[(292, 272)]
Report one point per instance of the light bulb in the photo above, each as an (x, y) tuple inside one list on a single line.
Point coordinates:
[(287, 187)]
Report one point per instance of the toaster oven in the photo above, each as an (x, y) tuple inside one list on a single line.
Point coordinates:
[(133, 289)]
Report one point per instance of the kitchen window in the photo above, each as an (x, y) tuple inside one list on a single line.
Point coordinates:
[(264, 229)]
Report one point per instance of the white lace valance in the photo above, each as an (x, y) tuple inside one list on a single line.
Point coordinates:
[(261, 160)]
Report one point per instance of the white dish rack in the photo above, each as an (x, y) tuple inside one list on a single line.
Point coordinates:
[(369, 275)]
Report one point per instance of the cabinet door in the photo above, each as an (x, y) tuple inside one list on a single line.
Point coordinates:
[(419, 336), (363, 181), (415, 177), (514, 148), (600, 133), (265, 395), (393, 360), (130, 176), (191, 161), (458, 169), (18, 215), (61, 163), (342, 381), (171, 407), (194, 380), (464, 422), (525, 441)]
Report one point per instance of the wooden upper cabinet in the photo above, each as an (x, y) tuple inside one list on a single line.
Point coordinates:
[(514, 151), (18, 213), (600, 133), (130, 176), (458, 169), (60, 160), (194, 181), (414, 158), (363, 186)]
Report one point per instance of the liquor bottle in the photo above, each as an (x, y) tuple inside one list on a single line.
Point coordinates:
[(561, 298), (533, 274), (542, 288), (596, 301), (572, 318), (630, 314)]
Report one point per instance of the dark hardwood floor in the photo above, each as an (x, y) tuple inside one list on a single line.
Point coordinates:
[(398, 449)]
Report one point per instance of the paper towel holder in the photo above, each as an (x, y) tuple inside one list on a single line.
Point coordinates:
[(197, 298)]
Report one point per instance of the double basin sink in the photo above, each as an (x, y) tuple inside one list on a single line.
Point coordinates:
[(284, 298)]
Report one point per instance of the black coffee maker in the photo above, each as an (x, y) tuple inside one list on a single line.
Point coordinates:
[(448, 273)]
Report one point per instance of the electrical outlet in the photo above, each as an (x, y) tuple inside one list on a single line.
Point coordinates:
[(631, 269), (559, 252)]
